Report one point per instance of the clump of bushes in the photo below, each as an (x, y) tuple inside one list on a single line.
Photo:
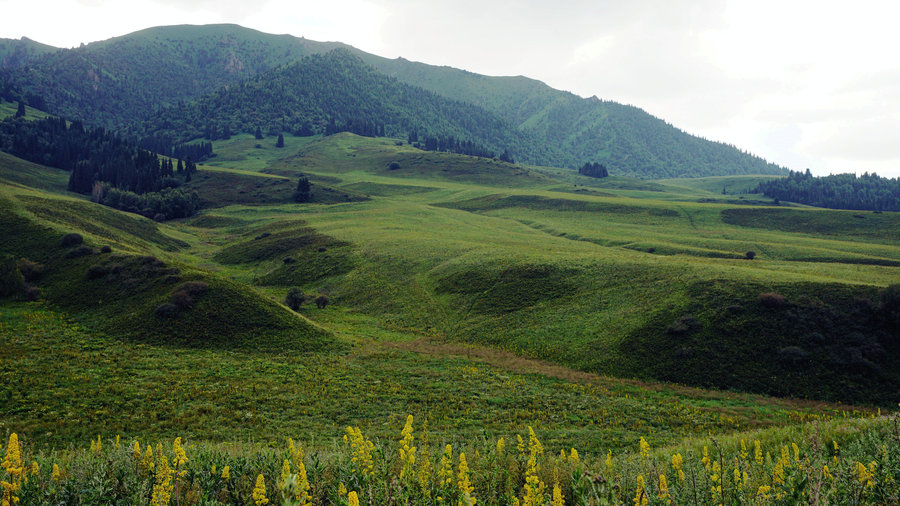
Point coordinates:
[(684, 324), (772, 300), (31, 271), (81, 251), (11, 280), (182, 298), (70, 240), (295, 298), (97, 271), (322, 301), (750, 255)]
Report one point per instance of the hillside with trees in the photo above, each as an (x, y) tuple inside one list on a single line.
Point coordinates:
[(869, 192), (337, 92), (131, 79)]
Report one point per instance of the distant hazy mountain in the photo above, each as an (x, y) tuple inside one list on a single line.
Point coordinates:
[(129, 82)]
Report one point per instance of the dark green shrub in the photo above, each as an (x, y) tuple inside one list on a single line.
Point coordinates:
[(322, 301), (166, 310), (11, 280), (97, 271), (72, 239), (772, 300), (81, 251), (192, 288), (31, 293), (750, 255), (181, 300), (30, 270), (294, 298)]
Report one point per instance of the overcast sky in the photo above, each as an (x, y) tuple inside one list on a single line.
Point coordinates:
[(802, 83)]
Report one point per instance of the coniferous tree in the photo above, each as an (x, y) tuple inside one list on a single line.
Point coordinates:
[(20, 112), (280, 142), (304, 190), (258, 133)]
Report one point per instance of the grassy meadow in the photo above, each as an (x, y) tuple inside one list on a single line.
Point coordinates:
[(481, 297)]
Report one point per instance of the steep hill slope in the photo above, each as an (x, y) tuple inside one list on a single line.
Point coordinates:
[(18, 52), (626, 139), (117, 81), (338, 86)]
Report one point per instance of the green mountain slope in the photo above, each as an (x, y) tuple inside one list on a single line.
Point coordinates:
[(117, 81), (126, 79), (18, 52), (626, 139), (338, 86)]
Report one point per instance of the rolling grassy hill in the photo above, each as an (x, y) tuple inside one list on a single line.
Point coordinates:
[(470, 292)]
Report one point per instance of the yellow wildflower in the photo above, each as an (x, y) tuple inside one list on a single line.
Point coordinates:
[(55, 475), (609, 461), (226, 473), (117, 441), (259, 491), (677, 462), (465, 488), (763, 491), (778, 473), (640, 495), (407, 450), (573, 457), (147, 463), (136, 452), (796, 452), (362, 451), (285, 474), (827, 473), (303, 496), (34, 468), (352, 499), (162, 490), (557, 495), (342, 490), (663, 488), (501, 446), (757, 453), (445, 473), (520, 444), (534, 446), (180, 458), (644, 448), (705, 460), (744, 452)]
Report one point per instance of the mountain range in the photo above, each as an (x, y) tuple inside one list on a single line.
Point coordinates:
[(181, 81)]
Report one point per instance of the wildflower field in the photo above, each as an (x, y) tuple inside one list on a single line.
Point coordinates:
[(847, 462)]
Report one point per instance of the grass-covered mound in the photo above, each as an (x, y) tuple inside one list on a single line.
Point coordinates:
[(823, 341), (91, 267), (275, 241), (859, 225)]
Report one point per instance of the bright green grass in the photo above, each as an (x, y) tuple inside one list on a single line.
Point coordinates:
[(17, 171), (240, 152), (481, 257), (10, 108), (62, 383)]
